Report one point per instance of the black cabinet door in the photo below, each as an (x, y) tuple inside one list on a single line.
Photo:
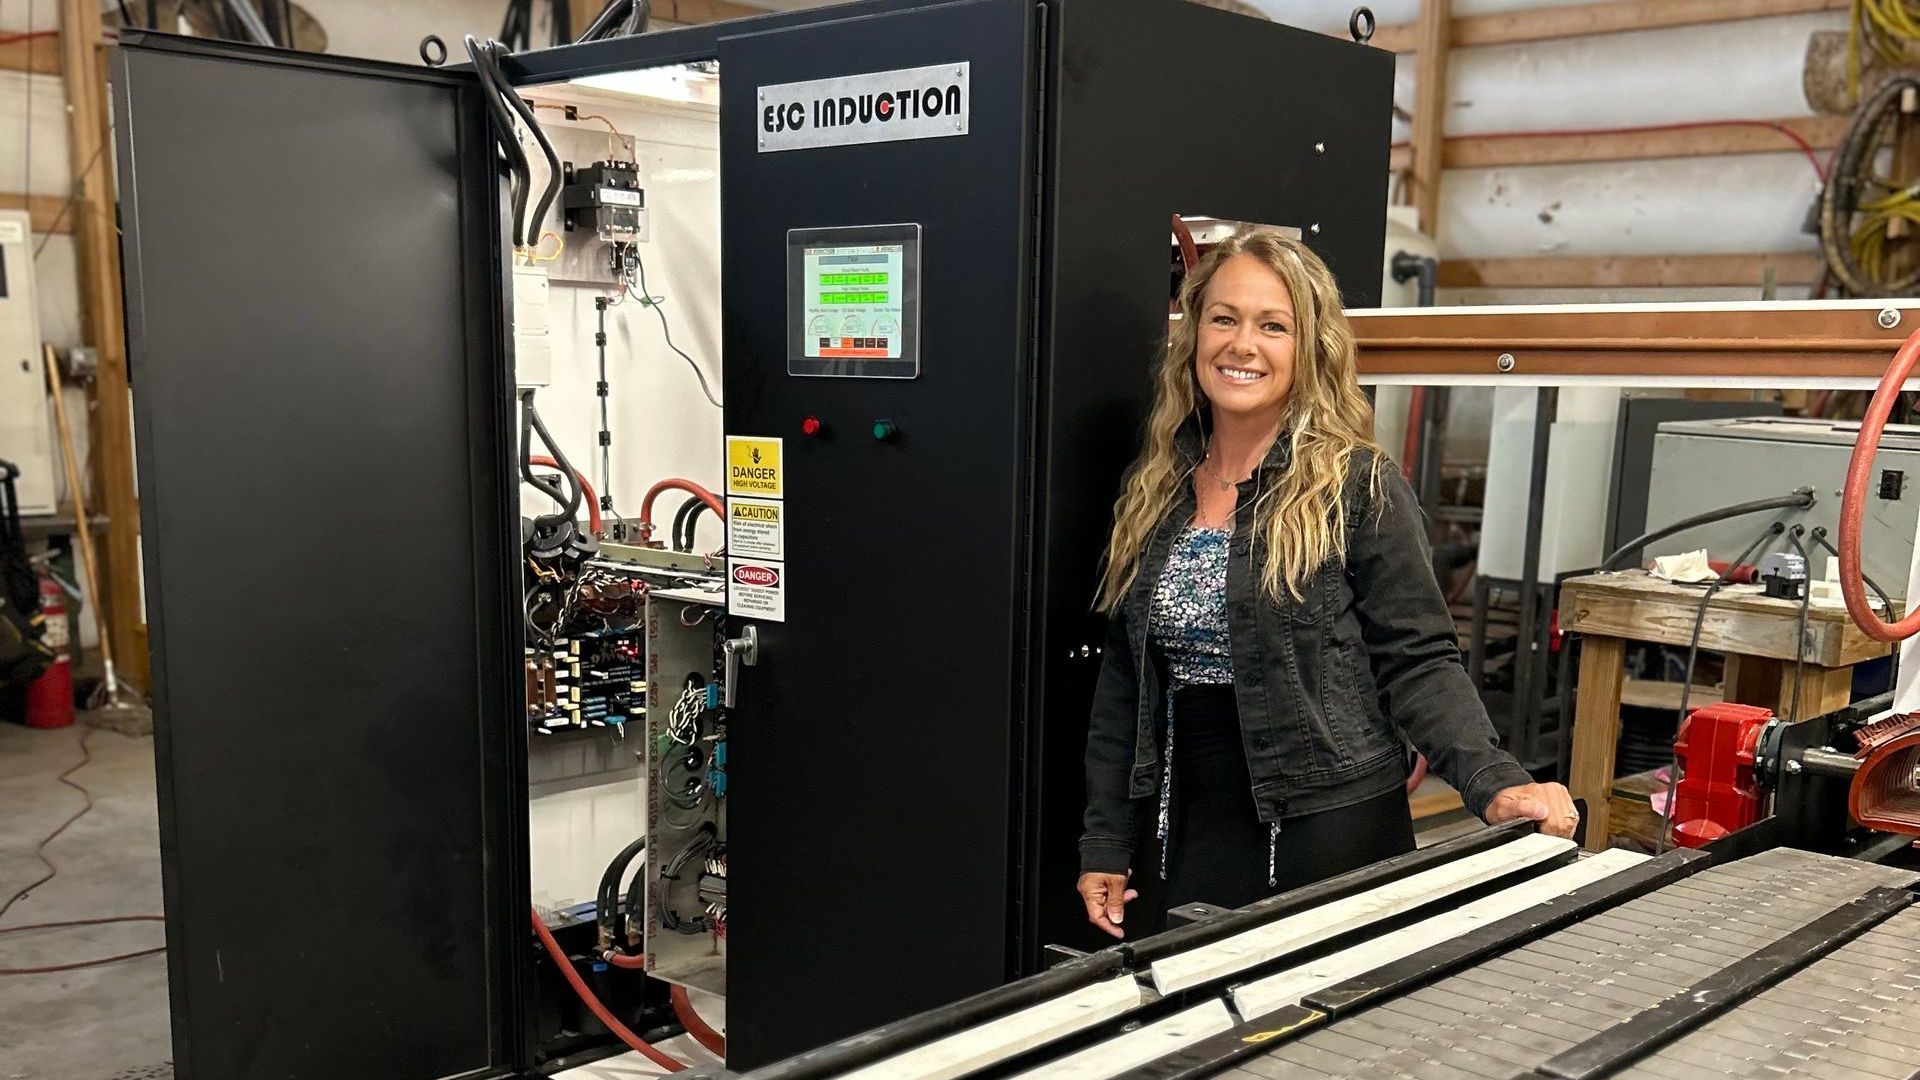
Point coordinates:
[(313, 264)]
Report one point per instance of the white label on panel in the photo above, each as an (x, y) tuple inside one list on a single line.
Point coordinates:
[(755, 529), (757, 589), (885, 106), (12, 232)]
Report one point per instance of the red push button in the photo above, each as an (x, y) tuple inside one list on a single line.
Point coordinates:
[(812, 426)]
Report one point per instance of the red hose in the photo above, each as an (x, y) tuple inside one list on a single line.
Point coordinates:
[(1853, 503), (586, 491), (640, 1046), (715, 1042), (674, 483)]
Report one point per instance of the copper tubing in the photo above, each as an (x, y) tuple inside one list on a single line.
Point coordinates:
[(1853, 502)]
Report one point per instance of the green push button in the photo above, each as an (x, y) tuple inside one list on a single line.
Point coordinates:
[(885, 430)]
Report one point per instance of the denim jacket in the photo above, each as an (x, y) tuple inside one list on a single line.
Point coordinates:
[(1330, 688)]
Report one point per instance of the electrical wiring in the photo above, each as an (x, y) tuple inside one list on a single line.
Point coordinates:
[(649, 300), (605, 900), (616, 146), (702, 1033), (697, 847), (674, 483), (1801, 499), (602, 389), (1887, 28), (1858, 206), (519, 177), (1693, 655), (683, 723), (593, 1003), (586, 490), (1819, 536), (50, 969), (40, 849), (533, 255), (1800, 629)]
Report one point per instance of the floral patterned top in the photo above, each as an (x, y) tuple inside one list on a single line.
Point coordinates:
[(1189, 615)]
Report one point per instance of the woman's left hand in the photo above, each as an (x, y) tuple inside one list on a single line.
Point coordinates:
[(1549, 804)]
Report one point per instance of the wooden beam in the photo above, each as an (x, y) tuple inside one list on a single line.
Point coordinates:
[(1430, 112), (580, 13), (37, 55), (1630, 271), (1757, 137), (1609, 17), (45, 210), (688, 12), (103, 326), (1762, 345)]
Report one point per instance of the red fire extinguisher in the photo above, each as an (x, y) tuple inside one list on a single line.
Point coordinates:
[(50, 697)]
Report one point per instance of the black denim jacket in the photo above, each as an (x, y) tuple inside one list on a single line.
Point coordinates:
[(1329, 688)]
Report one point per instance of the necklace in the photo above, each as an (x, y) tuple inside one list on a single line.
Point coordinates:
[(1206, 465)]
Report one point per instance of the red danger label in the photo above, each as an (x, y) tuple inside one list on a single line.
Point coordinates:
[(764, 576)]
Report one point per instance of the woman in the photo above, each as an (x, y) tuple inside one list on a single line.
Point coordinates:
[(1276, 634)]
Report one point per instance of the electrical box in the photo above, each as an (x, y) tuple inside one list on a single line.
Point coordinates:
[(26, 437), (532, 327), (605, 200), (1699, 465), (686, 747)]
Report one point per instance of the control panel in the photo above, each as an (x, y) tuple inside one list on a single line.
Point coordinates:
[(26, 438)]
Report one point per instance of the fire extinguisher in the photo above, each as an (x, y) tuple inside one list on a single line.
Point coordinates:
[(50, 697)]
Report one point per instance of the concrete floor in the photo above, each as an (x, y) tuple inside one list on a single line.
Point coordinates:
[(105, 1023)]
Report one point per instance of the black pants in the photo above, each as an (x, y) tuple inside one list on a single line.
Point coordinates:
[(1217, 844)]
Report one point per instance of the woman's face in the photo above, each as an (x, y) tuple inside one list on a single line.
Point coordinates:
[(1244, 357)]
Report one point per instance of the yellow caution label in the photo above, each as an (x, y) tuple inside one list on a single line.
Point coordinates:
[(753, 467)]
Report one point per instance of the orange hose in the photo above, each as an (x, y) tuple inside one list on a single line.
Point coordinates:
[(586, 491), (640, 1046), (1853, 502), (674, 483), (715, 1042), (622, 960)]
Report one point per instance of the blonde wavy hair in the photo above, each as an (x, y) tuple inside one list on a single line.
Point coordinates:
[(1302, 521)]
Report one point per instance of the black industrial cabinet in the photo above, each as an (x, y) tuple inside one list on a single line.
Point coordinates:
[(315, 263)]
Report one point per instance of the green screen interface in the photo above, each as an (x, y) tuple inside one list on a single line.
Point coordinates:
[(855, 301)]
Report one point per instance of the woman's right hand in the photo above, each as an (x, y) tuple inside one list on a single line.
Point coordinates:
[(1106, 896)]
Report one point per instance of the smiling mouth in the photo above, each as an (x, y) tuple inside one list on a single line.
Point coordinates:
[(1239, 375)]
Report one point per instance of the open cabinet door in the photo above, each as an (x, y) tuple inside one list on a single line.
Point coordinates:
[(313, 271)]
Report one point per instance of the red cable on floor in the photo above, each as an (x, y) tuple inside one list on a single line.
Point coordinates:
[(639, 1045)]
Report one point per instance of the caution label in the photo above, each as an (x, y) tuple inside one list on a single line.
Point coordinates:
[(755, 529), (757, 589), (753, 467)]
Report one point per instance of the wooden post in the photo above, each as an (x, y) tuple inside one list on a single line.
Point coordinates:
[(103, 325), (1430, 110), (1903, 247), (1596, 730), (582, 13)]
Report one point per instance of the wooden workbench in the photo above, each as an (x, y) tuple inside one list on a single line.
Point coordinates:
[(1756, 634)]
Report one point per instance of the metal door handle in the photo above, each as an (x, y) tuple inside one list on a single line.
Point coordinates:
[(744, 649)]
